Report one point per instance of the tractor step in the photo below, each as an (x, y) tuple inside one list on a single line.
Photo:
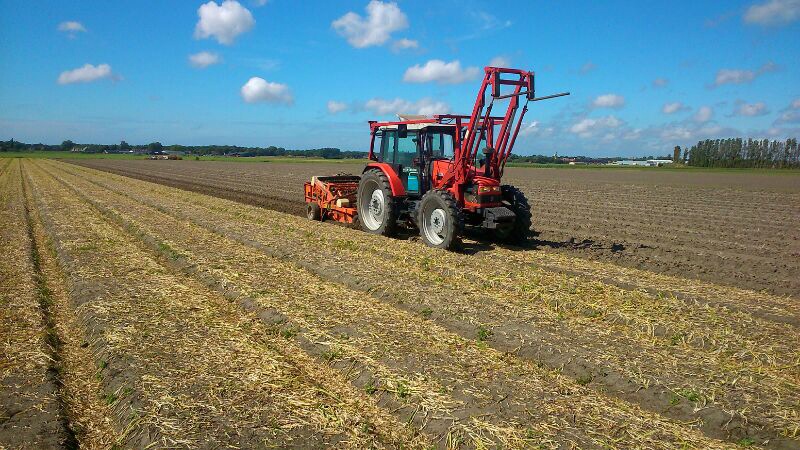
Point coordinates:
[(498, 217)]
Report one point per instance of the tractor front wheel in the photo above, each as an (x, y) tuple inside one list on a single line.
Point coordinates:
[(516, 201), (377, 209), (440, 220)]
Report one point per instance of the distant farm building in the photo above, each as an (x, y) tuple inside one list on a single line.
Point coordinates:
[(644, 163)]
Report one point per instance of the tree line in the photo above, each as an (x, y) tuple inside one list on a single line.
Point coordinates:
[(738, 152), (200, 150), (732, 152)]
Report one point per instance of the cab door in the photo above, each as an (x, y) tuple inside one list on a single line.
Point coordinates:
[(402, 152), (407, 159)]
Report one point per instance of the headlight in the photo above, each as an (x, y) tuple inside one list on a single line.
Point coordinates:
[(488, 190)]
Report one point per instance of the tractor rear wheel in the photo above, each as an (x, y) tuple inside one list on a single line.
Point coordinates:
[(516, 201), (377, 209), (313, 211), (440, 220)]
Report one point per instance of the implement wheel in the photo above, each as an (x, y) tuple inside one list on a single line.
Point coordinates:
[(516, 201), (313, 211), (440, 220), (377, 209)]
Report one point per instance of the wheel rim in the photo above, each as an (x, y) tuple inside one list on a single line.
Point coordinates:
[(373, 209), (434, 226)]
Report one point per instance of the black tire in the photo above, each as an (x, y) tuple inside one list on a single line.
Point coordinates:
[(313, 212), (383, 222), (440, 220), (516, 201)]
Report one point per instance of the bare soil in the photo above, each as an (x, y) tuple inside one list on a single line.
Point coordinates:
[(735, 229)]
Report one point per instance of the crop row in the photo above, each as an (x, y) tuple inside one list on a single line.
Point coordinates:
[(734, 371), (738, 233), (178, 364)]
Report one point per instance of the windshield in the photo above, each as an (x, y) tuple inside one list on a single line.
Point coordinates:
[(440, 144)]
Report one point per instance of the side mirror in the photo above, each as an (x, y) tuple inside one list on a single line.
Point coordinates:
[(531, 86), (402, 131)]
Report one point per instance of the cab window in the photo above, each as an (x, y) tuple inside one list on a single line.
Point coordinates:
[(388, 138), (441, 145), (406, 149)]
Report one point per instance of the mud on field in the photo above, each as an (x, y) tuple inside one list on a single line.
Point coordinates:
[(736, 229)]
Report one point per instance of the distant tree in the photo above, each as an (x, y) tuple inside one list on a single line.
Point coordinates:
[(154, 147), (676, 154), (737, 152), (124, 146), (67, 145)]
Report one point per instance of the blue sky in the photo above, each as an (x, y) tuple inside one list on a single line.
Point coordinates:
[(644, 76)]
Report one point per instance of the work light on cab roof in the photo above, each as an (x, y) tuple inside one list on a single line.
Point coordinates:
[(439, 174)]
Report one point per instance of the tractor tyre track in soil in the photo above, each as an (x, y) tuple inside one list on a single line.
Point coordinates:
[(335, 271)]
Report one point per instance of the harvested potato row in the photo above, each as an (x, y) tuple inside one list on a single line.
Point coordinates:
[(180, 365), (725, 367), (725, 228), (401, 341), (30, 410)]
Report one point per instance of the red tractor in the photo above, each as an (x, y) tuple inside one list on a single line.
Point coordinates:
[(438, 174)]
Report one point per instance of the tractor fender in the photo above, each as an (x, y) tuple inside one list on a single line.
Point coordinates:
[(394, 181)]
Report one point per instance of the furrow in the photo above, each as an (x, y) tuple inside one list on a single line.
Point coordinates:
[(182, 365), (255, 232), (31, 407)]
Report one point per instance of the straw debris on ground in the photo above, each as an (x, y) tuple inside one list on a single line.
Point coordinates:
[(208, 319)]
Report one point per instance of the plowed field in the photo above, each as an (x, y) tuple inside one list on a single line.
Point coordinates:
[(138, 314), (737, 229)]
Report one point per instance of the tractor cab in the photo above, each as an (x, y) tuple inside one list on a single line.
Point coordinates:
[(415, 152)]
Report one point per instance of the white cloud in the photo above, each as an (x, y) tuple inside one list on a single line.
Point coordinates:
[(790, 114), (660, 82), (258, 90), (704, 114), (336, 107), (223, 22), (382, 20), (678, 133), (740, 76), (587, 128), (85, 74), (500, 61), (260, 2), (534, 128), (773, 12), (404, 44), (530, 129), (440, 72), (71, 27), (752, 109), (489, 21), (588, 67), (671, 108), (204, 59), (609, 101), (424, 106)]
